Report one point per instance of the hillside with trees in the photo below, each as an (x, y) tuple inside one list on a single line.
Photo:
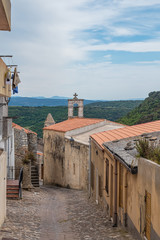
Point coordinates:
[(147, 111), (33, 117)]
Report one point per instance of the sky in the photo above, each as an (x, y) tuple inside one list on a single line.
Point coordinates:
[(101, 49)]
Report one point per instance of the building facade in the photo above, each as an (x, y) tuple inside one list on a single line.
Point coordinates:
[(129, 187), (66, 148), (5, 122)]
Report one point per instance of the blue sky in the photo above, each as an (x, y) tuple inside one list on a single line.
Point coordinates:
[(101, 49)]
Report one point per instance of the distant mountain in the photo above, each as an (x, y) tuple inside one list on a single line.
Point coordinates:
[(38, 102), (58, 97), (147, 111), (34, 117)]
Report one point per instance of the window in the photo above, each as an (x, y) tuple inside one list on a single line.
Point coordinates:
[(100, 186), (92, 175), (74, 169), (107, 175), (75, 110), (121, 185)]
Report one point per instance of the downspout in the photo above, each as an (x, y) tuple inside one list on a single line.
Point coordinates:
[(89, 174), (115, 196)]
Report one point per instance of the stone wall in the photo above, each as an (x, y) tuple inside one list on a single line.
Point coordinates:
[(24, 143), (21, 147), (32, 143), (27, 176)]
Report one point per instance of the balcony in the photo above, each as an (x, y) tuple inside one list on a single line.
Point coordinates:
[(5, 89), (5, 15)]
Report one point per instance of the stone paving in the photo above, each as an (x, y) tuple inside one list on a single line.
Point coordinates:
[(58, 214)]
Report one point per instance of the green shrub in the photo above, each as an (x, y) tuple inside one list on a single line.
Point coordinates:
[(147, 150)]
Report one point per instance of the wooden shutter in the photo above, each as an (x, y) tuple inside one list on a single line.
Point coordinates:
[(100, 186), (92, 175), (120, 185), (148, 215)]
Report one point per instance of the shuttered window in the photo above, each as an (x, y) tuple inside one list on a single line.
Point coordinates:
[(92, 175), (100, 186), (107, 176), (148, 215), (120, 185)]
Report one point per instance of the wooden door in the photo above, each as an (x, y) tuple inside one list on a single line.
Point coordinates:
[(97, 186), (148, 216)]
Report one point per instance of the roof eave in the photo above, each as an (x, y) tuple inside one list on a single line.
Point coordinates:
[(131, 169)]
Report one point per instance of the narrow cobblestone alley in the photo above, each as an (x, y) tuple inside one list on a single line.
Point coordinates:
[(58, 214)]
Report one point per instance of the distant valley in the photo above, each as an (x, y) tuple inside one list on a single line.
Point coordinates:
[(33, 117)]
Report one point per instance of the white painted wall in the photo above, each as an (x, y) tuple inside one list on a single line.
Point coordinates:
[(2, 187)]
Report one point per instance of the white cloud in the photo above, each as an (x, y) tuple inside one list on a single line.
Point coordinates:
[(50, 39), (147, 46)]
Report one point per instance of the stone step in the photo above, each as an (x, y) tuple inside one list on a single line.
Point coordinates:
[(13, 196), (12, 187), (12, 191), (35, 182), (34, 177)]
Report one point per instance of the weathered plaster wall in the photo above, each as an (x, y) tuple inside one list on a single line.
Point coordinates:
[(148, 179), (97, 173), (54, 151), (76, 164), (3, 176)]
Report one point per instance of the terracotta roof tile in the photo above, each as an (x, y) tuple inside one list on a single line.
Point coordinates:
[(14, 125), (72, 124), (126, 132)]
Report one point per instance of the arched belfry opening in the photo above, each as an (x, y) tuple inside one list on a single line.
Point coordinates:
[(75, 107)]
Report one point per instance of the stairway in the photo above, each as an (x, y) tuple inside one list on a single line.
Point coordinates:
[(34, 176), (12, 189)]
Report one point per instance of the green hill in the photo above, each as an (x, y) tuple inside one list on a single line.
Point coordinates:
[(147, 111), (34, 117)]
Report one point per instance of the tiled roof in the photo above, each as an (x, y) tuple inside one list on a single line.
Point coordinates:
[(72, 124), (40, 153), (126, 132), (14, 125)]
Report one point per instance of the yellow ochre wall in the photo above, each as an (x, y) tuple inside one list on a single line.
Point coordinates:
[(5, 15), (97, 161), (5, 90), (147, 179)]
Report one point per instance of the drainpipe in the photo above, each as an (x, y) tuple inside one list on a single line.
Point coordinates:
[(89, 177), (115, 196)]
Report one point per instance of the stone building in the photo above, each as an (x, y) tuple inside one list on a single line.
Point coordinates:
[(66, 147), (25, 142), (127, 187), (49, 120), (5, 122)]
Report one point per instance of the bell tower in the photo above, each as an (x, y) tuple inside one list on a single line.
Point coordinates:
[(74, 105)]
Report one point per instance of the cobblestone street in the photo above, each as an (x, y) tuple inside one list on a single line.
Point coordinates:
[(58, 214)]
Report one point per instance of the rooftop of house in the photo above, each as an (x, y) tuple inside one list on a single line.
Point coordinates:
[(14, 125), (84, 137), (125, 149), (40, 153), (72, 124), (126, 132)]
